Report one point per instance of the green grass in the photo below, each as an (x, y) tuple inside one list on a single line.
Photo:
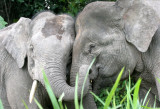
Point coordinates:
[(50, 92), (81, 106), (112, 93), (123, 95), (25, 105), (38, 104), (129, 99), (76, 94)]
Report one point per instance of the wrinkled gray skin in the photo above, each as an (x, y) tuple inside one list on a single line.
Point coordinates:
[(29, 46), (118, 34)]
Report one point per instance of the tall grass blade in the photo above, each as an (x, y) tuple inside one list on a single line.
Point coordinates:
[(154, 106), (76, 94), (60, 101), (136, 92), (98, 98), (111, 94), (146, 97), (61, 97), (117, 107), (50, 92), (85, 81), (1, 105), (65, 106), (114, 102), (25, 105), (128, 92), (126, 95), (147, 103), (61, 105), (38, 104)]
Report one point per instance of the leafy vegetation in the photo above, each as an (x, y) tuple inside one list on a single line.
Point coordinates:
[(2, 23), (12, 10), (130, 100), (120, 94)]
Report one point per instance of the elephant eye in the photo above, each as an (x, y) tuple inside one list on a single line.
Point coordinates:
[(31, 47), (91, 47)]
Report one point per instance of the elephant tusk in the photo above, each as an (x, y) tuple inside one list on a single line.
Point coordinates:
[(33, 89)]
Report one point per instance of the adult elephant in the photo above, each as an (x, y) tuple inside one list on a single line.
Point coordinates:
[(27, 47), (118, 34)]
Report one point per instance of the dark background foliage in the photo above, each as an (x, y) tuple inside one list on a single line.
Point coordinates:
[(12, 10)]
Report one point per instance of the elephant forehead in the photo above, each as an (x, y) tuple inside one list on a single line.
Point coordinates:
[(54, 26), (102, 21), (101, 35), (99, 15)]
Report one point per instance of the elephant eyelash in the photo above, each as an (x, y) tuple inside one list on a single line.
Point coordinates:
[(91, 47)]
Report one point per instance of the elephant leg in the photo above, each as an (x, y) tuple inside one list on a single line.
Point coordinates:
[(151, 97), (88, 102), (18, 84)]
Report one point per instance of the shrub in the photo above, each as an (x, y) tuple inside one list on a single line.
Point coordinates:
[(2, 23)]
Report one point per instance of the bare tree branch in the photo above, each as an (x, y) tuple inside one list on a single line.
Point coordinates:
[(6, 11)]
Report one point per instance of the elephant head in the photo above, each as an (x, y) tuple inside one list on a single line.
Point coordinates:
[(45, 42), (116, 34)]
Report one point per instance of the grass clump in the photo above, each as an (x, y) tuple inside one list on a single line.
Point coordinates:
[(108, 99), (127, 100)]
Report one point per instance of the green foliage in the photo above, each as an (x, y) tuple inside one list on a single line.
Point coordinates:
[(28, 8), (50, 92), (98, 99), (2, 23), (18, 1), (135, 95), (110, 102), (70, 7), (129, 99), (86, 80), (132, 101), (120, 94), (112, 93), (12, 10), (38, 104), (76, 94), (60, 101), (25, 105)]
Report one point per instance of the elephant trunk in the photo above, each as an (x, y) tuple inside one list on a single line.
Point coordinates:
[(57, 78)]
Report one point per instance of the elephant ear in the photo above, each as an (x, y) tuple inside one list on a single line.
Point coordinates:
[(16, 40), (140, 24)]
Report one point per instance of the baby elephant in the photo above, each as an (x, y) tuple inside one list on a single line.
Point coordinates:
[(125, 33), (27, 47)]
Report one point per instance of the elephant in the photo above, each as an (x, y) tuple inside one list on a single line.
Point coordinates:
[(30, 46), (122, 33)]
